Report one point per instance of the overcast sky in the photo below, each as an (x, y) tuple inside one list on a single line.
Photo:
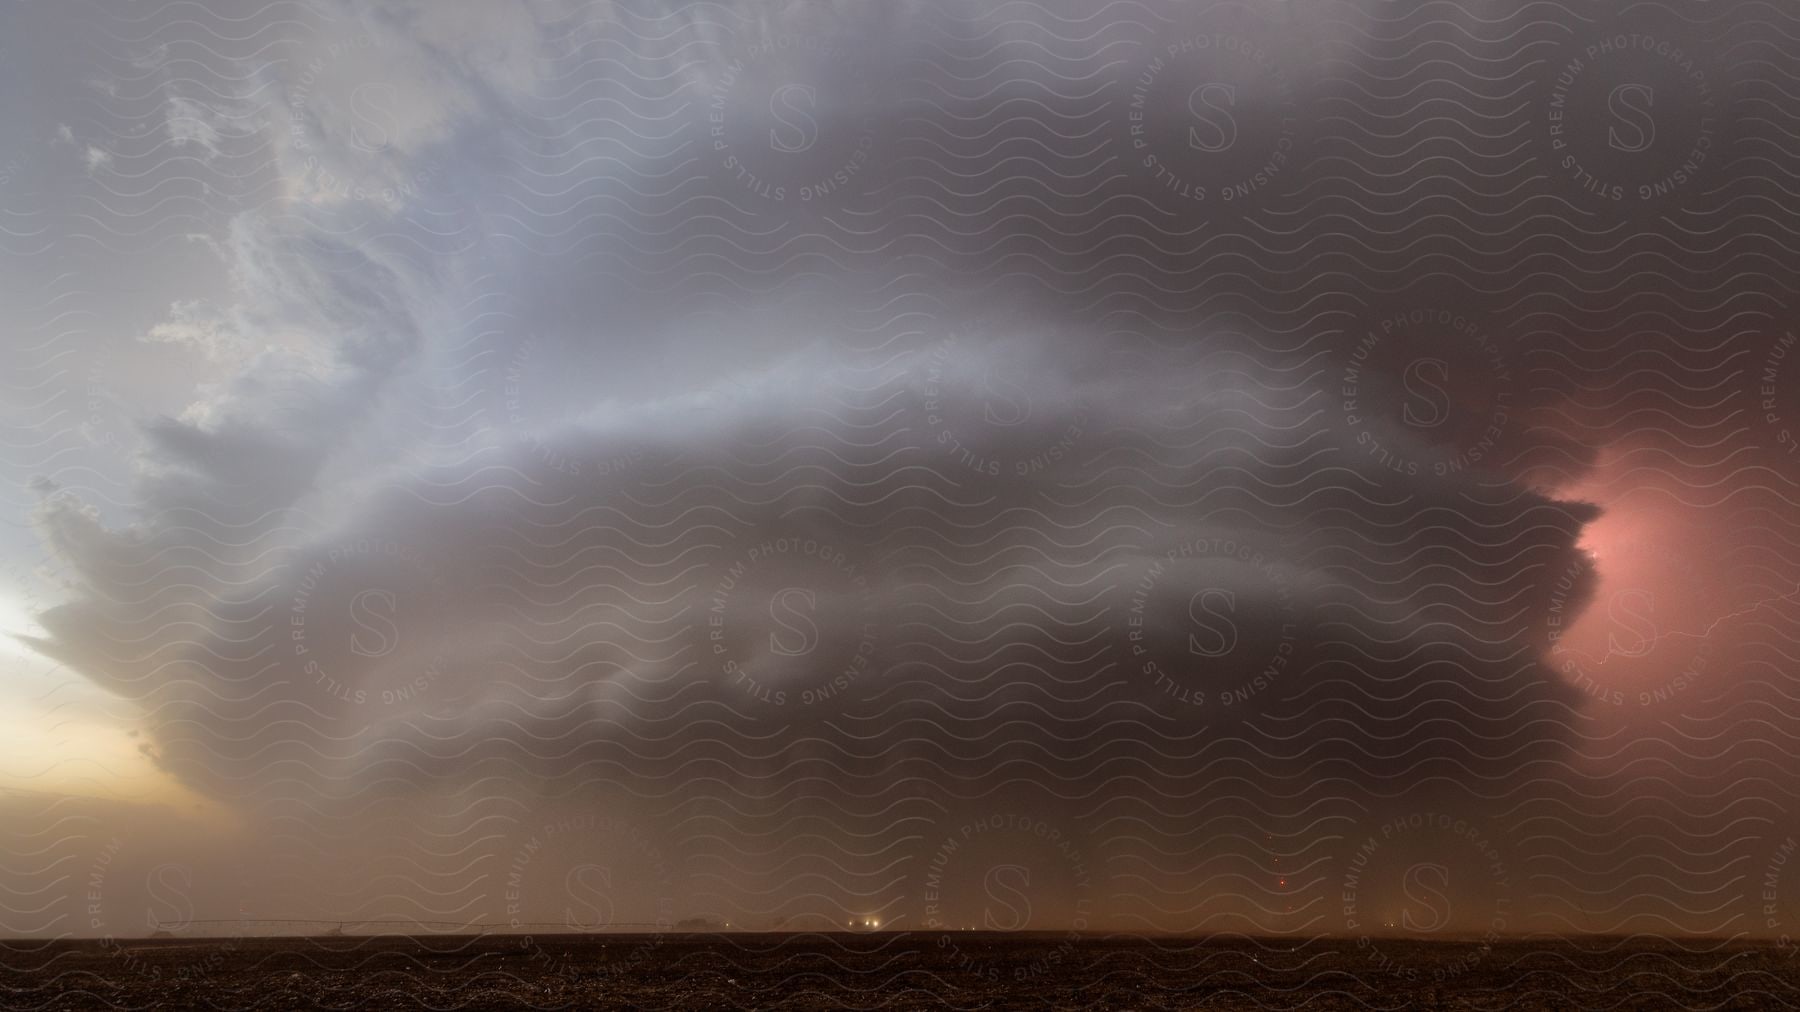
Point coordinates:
[(1268, 467)]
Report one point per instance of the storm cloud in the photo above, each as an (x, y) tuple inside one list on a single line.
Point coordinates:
[(768, 441)]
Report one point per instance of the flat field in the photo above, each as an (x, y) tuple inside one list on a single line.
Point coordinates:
[(971, 970)]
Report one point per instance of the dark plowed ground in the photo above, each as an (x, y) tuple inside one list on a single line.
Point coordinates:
[(891, 970)]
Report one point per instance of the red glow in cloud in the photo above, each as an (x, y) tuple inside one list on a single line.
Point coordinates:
[(1642, 640)]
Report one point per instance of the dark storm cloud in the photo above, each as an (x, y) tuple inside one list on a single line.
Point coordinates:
[(695, 482), (996, 438)]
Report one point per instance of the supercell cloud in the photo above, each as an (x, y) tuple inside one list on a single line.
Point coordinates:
[(807, 460)]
